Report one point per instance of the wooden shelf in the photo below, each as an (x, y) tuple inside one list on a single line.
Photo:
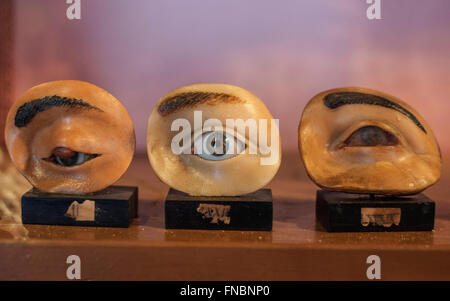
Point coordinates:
[(297, 248)]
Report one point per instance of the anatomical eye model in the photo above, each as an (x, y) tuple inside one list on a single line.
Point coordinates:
[(362, 141), (196, 143), (69, 137), (216, 146)]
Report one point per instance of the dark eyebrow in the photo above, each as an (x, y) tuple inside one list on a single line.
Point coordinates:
[(335, 100), (29, 110), (188, 99)]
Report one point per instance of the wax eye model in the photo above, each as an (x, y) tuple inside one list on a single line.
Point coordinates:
[(69, 137), (364, 141), (193, 147)]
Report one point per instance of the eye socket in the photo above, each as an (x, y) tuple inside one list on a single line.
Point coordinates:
[(217, 146), (66, 157), (369, 136)]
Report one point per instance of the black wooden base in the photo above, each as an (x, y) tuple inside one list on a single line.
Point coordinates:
[(345, 212), (115, 206), (251, 212)]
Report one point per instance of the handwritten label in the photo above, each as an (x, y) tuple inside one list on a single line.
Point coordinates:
[(82, 212), (385, 217), (217, 213)]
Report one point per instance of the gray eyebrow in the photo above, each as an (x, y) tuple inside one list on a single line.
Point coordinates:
[(29, 110), (335, 100)]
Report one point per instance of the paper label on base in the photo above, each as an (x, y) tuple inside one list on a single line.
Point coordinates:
[(385, 217), (217, 213), (84, 212)]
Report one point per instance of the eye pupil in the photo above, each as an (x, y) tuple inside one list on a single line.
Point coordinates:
[(219, 145)]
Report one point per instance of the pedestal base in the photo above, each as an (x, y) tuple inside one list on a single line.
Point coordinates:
[(248, 212), (345, 212), (115, 206)]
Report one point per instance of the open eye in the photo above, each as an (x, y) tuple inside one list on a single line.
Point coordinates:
[(66, 157), (369, 136), (217, 146)]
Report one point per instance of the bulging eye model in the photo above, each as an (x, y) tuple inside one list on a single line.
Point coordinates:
[(369, 136), (217, 146), (66, 157), (211, 158)]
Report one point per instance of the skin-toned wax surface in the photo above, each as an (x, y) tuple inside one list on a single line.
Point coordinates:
[(69, 137), (240, 174), (364, 141)]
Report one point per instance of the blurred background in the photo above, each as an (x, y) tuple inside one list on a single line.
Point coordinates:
[(285, 52)]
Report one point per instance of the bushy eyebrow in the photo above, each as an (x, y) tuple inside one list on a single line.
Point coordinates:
[(29, 110), (189, 99), (335, 100)]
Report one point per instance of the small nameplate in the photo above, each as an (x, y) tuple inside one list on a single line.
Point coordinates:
[(217, 213), (84, 212), (385, 217)]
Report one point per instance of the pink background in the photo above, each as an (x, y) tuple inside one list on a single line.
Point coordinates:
[(283, 51)]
